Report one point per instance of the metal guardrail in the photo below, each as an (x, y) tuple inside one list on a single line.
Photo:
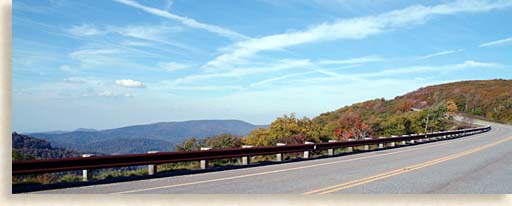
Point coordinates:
[(23, 167)]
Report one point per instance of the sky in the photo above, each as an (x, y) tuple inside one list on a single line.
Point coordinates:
[(111, 63)]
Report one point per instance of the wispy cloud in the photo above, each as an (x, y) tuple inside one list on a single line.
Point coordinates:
[(67, 69), (173, 66), (266, 81), (497, 42), (84, 30), (168, 4), (354, 28), (154, 33), (88, 57), (137, 43), (428, 56), (129, 83), (76, 80), (421, 69), (391, 74), (358, 60), (184, 20), (280, 65)]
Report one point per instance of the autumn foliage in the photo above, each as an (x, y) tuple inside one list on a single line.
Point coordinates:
[(425, 110)]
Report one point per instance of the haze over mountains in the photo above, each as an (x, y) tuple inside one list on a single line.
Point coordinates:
[(160, 136)]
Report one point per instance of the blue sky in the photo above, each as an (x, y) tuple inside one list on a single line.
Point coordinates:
[(105, 64)]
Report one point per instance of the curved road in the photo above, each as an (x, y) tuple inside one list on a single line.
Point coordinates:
[(475, 164)]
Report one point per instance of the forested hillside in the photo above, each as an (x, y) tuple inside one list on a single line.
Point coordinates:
[(426, 109), (490, 99), (25, 147)]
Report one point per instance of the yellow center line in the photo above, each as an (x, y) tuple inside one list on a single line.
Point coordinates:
[(354, 183), (288, 169)]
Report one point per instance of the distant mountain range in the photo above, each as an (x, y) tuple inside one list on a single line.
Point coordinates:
[(161, 136)]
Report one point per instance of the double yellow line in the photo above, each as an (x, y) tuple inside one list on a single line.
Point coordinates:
[(354, 183)]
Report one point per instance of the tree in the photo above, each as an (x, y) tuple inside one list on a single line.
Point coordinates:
[(352, 126), (16, 155), (451, 106), (221, 141)]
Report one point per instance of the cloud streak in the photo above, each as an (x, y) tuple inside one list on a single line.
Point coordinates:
[(497, 42), (184, 20), (441, 53), (359, 60), (353, 28), (130, 83)]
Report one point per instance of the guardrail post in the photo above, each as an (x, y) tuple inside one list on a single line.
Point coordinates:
[(307, 154), (330, 152), (366, 147), (350, 149), (280, 156), (436, 137), (404, 142), (204, 163), (421, 139), (246, 159), (152, 169), (87, 174), (381, 145), (412, 141), (392, 144)]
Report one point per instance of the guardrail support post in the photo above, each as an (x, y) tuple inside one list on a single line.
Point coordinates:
[(420, 140), (307, 154), (404, 142), (350, 149), (87, 174), (204, 163), (330, 152), (152, 169), (392, 144), (381, 145), (280, 156), (247, 159), (366, 147)]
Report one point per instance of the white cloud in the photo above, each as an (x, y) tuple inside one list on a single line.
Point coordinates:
[(168, 4), (358, 60), (280, 65), (472, 64), (90, 57), (420, 69), (497, 43), (154, 33), (173, 66), (106, 93), (184, 20), (67, 69), (148, 32), (75, 80), (84, 30), (396, 73), (266, 81), (354, 28), (440, 53), (129, 83), (137, 43), (87, 52)]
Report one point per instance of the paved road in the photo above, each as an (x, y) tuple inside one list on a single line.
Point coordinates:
[(474, 164)]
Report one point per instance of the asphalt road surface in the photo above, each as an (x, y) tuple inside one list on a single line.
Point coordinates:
[(477, 164)]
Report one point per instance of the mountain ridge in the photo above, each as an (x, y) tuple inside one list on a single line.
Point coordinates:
[(162, 136)]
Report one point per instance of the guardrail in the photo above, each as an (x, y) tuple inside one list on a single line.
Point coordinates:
[(23, 167)]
